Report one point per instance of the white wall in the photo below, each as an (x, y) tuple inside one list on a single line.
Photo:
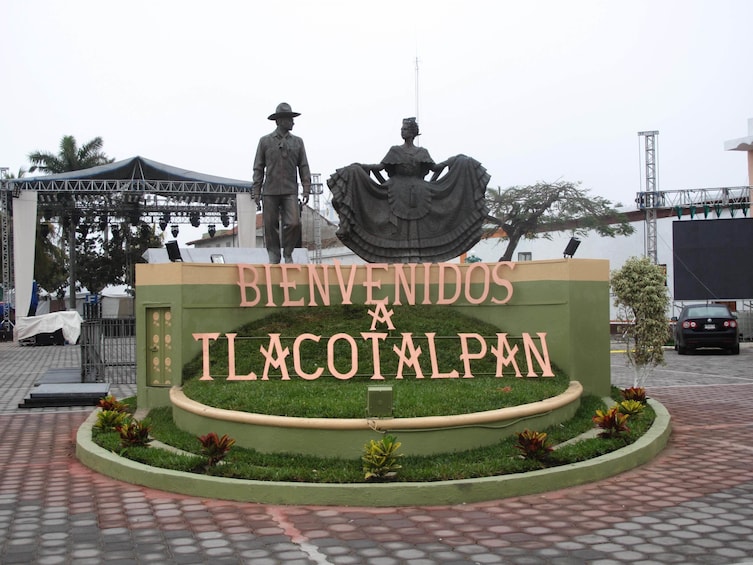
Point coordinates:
[(617, 250)]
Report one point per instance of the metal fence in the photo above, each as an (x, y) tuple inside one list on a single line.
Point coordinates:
[(108, 350), (745, 322)]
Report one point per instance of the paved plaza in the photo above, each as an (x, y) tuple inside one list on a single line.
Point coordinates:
[(692, 504)]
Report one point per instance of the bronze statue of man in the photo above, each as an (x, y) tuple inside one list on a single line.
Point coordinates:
[(280, 160)]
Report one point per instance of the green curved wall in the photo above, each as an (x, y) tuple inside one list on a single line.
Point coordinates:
[(346, 438), (566, 298)]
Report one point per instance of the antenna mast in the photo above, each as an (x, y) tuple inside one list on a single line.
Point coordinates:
[(417, 91)]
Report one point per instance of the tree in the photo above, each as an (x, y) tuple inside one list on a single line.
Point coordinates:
[(50, 261), (537, 210), (111, 260), (70, 158), (641, 295), (95, 268)]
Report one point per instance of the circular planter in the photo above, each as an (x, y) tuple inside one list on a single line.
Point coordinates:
[(343, 437), (382, 494)]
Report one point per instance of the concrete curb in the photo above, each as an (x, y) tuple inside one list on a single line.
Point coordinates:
[(378, 495)]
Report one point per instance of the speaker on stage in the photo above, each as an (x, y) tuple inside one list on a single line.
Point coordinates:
[(173, 252)]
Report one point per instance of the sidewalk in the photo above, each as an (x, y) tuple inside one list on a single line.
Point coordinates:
[(693, 504)]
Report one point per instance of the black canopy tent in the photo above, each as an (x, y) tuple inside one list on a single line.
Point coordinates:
[(155, 187), (137, 168)]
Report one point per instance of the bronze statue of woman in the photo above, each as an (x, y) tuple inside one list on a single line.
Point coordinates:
[(405, 218)]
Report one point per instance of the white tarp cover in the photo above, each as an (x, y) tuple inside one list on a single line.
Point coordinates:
[(68, 321)]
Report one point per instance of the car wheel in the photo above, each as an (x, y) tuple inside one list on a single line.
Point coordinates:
[(735, 349), (682, 350)]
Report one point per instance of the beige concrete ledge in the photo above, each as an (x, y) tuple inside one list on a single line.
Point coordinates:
[(344, 438), (573, 393), (378, 495)]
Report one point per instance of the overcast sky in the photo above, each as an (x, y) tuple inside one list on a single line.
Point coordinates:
[(534, 90)]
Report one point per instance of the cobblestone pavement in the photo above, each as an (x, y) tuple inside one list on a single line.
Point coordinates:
[(692, 504)]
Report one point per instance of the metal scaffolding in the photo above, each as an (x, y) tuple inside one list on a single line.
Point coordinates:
[(6, 202), (316, 191), (650, 196), (163, 202), (694, 200), (698, 200)]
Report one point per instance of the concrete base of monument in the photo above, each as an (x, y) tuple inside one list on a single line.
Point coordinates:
[(345, 437), (379, 494)]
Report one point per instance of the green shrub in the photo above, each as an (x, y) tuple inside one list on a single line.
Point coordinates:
[(630, 407), (380, 458), (110, 420)]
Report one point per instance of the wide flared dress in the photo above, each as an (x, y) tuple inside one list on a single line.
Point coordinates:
[(408, 219)]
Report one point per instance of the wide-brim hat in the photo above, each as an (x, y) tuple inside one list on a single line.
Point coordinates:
[(283, 111)]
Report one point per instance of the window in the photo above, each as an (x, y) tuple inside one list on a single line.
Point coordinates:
[(525, 256)]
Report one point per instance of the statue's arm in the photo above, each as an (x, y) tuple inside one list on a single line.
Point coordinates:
[(439, 167), (258, 172), (376, 170)]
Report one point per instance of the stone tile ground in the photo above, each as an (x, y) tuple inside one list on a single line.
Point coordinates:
[(693, 504)]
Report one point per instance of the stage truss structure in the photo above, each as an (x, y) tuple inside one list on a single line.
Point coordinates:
[(166, 203)]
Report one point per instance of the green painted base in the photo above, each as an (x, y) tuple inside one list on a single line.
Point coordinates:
[(377, 495), (344, 438)]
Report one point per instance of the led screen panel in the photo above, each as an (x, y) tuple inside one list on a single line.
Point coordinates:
[(713, 259)]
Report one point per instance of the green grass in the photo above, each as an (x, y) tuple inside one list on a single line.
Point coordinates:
[(335, 398), (499, 459), (330, 397)]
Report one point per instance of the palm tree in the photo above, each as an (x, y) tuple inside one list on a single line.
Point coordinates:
[(70, 157)]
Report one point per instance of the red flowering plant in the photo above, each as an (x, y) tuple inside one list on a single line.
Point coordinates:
[(215, 448), (612, 422), (634, 393), (533, 445), (110, 403), (134, 433)]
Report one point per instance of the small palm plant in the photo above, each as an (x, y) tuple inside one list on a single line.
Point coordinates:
[(380, 458), (134, 433), (533, 445), (634, 393), (631, 407), (110, 403), (611, 421), (111, 420), (215, 448)]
